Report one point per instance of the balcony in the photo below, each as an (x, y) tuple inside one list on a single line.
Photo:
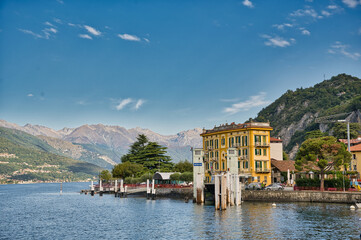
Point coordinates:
[(244, 171), (262, 170), (261, 144), (244, 157)]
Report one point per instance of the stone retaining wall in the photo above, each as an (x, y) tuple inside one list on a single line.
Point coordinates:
[(300, 196), (178, 193)]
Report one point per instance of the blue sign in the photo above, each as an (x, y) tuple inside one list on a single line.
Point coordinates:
[(197, 164)]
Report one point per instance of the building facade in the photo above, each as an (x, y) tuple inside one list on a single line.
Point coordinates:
[(356, 158), (242, 148), (276, 148)]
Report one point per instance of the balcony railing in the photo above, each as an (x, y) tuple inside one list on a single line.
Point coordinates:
[(245, 170), (244, 157), (261, 144), (262, 170)]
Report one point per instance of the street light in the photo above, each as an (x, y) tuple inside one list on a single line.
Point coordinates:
[(348, 147)]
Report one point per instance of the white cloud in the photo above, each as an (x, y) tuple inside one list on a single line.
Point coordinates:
[(49, 24), (359, 31), (248, 3), (139, 103), (57, 20), (129, 37), (351, 3), (86, 36), (92, 30), (30, 95), (305, 12), (277, 41), (282, 26), (332, 7), (339, 48), (60, 1), (146, 39), (31, 33), (254, 101), (305, 31), (325, 13), (123, 103)]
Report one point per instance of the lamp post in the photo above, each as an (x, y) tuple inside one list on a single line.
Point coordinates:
[(348, 147)]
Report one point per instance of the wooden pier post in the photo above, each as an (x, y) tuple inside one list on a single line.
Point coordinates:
[(223, 192), (217, 192), (148, 189), (153, 190), (116, 188), (121, 188), (231, 189), (92, 188), (200, 189), (238, 189), (100, 188)]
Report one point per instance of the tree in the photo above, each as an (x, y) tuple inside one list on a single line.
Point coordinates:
[(126, 169), (314, 134), (105, 175), (149, 154), (183, 167), (186, 177), (340, 130), (175, 177), (325, 152)]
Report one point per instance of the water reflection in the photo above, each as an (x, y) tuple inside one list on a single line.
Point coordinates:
[(38, 211)]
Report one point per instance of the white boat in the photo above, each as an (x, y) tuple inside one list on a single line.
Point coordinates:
[(358, 204)]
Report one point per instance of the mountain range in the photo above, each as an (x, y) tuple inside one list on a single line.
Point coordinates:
[(104, 145)]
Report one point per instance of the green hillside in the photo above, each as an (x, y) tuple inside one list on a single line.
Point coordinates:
[(293, 114), (25, 158)]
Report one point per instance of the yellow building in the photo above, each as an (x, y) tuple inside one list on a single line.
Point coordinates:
[(251, 141), (356, 158)]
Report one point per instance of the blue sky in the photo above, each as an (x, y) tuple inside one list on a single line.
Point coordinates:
[(167, 65)]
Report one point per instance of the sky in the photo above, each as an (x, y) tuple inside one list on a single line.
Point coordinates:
[(166, 65)]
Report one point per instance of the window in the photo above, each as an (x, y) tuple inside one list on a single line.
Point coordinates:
[(231, 142), (222, 165), (247, 164), (264, 139), (197, 152), (258, 179), (245, 141), (353, 156), (223, 141), (239, 164), (211, 143), (258, 152), (264, 152), (216, 143), (239, 152)]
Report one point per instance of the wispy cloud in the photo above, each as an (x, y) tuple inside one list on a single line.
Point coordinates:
[(86, 36), (57, 20), (308, 11), (277, 41), (60, 1), (49, 24), (229, 99), (139, 103), (351, 3), (326, 13), (92, 30), (146, 39), (339, 48), (30, 95), (254, 101), (248, 3), (332, 7), (123, 103), (31, 33), (282, 26), (305, 31), (129, 37)]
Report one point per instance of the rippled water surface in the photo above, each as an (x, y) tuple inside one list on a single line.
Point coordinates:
[(38, 211)]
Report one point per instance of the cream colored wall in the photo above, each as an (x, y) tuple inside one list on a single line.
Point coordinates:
[(277, 151)]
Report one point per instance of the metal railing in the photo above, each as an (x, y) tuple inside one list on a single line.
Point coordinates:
[(261, 144), (262, 170)]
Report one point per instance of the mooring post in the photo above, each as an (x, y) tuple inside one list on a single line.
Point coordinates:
[(100, 188), (231, 183), (217, 192), (125, 191), (121, 188), (153, 190), (115, 188), (228, 190), (61, 188), (237, 190), (200, 189), (92, 188), (223, 192), (148, 189)]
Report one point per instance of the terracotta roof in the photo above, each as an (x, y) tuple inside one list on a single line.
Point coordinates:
[(352, 141), (356, 148), (234, 126), (284, 165), (272, 139)]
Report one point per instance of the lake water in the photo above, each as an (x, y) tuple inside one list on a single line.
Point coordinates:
[(38, 211)]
